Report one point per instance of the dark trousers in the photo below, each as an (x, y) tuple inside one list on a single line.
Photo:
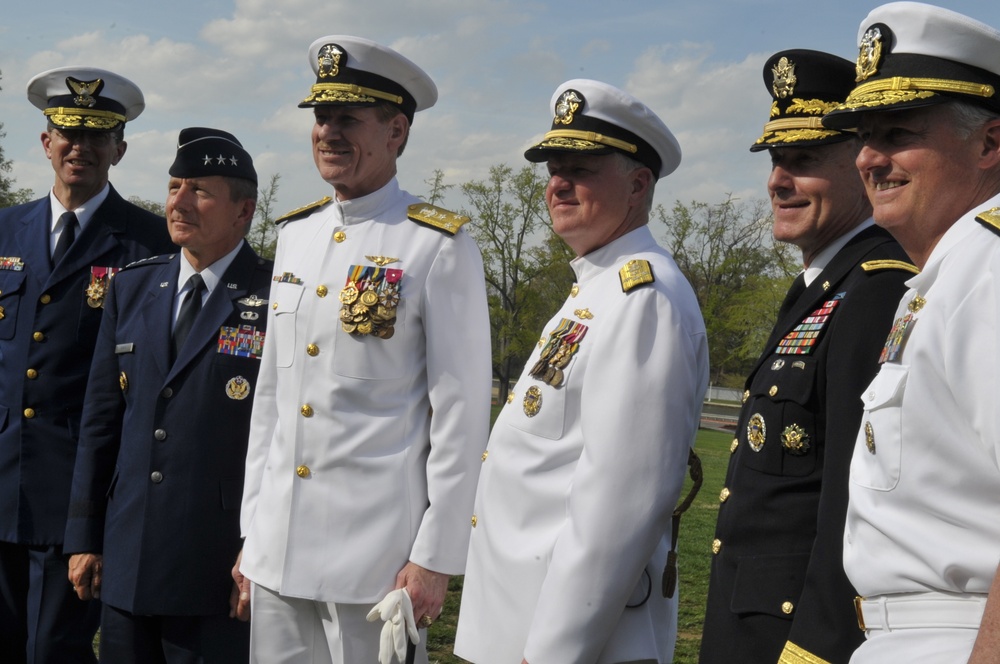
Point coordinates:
[(130, 639), (41, 619)]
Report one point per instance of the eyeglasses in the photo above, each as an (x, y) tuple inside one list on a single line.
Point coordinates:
[(97, 139)]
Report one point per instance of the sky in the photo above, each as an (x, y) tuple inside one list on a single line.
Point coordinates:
[(243, 66)]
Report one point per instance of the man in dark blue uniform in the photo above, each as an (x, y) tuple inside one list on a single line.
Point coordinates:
[(154, 510), (57, 256), (778, 592)]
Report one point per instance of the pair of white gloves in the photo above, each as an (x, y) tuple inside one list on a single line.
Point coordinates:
[(397, 612)]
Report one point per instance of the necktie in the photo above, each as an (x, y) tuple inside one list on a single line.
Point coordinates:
[(67, 236), (793, 295), (189, 312)]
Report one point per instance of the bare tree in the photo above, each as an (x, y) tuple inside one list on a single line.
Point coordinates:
[(263, 235)]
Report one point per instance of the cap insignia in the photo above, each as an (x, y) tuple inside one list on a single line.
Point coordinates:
[(784, 78), (569, 103), (869, 55), (84, 90), (329, 60)]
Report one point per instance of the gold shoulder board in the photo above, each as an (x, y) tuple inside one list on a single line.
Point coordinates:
[(635, 273), (304, 211), (436, 217), (990, 219), (874, 266)]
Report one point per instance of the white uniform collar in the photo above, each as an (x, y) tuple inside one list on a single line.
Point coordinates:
[(366, 208), (965, 226), (633, 242)]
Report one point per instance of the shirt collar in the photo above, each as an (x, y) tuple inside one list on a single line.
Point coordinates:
[(83, 213), (211, 274)]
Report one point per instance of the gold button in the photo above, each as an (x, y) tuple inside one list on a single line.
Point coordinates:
[(746, 395), (45, 299), (510, 397), (306, 410), (274, 305), (733, 445), (322, 290), (773, 390), (29, 413), (31, 373), (474, 520), (486, 454), (38, 336), (716, 546), (340, 236), (312, 350), (787, 608), (302, 471), (724, 495)]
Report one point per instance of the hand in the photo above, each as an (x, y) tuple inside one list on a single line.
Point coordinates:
[(239, 598), (427, 590), (85, 574)]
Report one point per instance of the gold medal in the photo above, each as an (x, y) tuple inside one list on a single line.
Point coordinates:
[(348, 294), (369, 298)]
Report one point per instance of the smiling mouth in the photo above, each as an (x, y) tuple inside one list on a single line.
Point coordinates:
[(883, 186)]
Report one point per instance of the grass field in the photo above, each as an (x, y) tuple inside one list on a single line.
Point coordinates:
[(694, 557)]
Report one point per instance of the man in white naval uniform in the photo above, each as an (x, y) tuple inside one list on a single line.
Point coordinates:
[(922, 539), (372, 408), (585, 464)]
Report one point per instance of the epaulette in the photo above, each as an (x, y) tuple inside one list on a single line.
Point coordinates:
[(304, 211), (151, 260), (874, 266), (990, 219), (435, 217), (635, 273)]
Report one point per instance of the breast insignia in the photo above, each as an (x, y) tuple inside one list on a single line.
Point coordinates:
[(435, 217), (990, 219), (875, 266), (635, 273), (304, 211)]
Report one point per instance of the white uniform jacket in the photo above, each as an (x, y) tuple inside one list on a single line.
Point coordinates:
[(574, 502), (364, 451), (924, 509)]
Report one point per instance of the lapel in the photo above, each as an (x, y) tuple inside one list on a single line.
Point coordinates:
[(97, 239), (33, 241), (158, 308), (816, 294), (217, 309)]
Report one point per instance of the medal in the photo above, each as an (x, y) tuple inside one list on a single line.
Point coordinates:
[(238, 388), (369, 299)]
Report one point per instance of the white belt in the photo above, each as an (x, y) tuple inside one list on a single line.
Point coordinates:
[(919, 610)]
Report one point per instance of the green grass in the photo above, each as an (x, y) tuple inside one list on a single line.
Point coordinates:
[(694, 558)]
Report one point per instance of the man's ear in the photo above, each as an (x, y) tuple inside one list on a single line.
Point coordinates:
[(990, 156)]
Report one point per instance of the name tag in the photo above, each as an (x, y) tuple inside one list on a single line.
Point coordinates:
[(121, 349)]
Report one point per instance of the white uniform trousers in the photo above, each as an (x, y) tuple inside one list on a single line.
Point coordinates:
[(290, 630)]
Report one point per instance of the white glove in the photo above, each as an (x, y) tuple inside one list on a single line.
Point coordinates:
[(397, 612)]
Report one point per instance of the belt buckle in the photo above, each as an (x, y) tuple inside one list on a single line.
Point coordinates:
[(861, 616)]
